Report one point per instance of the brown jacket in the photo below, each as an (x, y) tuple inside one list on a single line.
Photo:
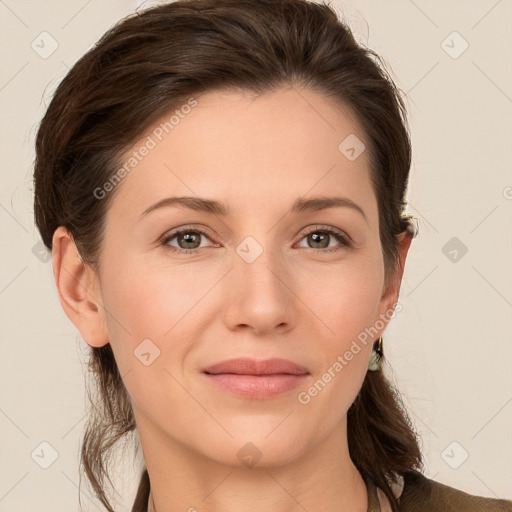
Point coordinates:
[(419, 494)]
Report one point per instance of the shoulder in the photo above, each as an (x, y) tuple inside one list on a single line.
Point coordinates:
[(423, 494)]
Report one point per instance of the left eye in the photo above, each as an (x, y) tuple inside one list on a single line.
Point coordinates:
[(320, 234), (191, 239)]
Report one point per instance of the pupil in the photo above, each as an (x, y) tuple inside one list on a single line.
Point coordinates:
[(318, 237), (189, 238)]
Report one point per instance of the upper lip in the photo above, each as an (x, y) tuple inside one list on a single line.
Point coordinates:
[(247, 366)]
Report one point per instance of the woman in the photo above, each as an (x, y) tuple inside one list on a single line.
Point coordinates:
[(222, 185)]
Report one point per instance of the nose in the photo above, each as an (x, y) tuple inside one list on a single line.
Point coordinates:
[(259, 295)]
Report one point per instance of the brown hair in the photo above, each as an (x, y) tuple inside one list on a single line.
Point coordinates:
[(155, 60)]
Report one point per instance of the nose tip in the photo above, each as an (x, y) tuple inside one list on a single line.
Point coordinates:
[(259, 297)]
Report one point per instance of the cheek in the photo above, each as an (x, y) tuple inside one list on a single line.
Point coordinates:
[(344, 297), (156, 299), (345, 302), (152, 321), (147, 299)]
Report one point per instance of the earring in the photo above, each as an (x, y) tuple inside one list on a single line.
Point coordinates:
[(376, 356)]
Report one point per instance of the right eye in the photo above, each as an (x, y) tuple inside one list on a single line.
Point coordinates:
[(189, 237)]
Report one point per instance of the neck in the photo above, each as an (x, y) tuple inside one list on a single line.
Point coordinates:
[(322, 479)]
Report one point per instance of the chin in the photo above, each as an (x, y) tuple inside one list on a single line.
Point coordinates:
[(260, 447)]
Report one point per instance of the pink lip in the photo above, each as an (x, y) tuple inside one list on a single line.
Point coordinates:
[(256, 379)]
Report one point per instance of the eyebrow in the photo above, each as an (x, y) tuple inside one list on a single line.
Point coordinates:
[(301, 205)]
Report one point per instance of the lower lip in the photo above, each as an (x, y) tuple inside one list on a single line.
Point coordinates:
[(257, 386)]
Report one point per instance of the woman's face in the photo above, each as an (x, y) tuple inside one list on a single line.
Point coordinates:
[(262, 280)]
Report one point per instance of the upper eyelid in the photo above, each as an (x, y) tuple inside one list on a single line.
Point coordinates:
[(173, 232)]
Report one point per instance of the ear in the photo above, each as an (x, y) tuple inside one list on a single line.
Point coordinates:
[(391, 293), (78, 288)]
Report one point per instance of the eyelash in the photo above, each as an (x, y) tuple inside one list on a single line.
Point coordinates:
[(338, 235)]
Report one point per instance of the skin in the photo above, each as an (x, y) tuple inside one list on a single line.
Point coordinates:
[(198, 309)]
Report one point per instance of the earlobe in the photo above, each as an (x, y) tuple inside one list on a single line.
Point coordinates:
[(78, 289)]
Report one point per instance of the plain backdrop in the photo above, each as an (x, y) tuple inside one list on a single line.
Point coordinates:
[(449, 350)]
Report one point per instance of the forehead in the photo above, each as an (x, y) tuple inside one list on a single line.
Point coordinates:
[(239, 148)]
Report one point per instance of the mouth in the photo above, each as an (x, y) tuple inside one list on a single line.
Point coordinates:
[(246, 366), (250, 378), (256, 386)]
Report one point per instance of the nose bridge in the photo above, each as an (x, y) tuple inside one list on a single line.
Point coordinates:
[(260, 294), (260, 264)]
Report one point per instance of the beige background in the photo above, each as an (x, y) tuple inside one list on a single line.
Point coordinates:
[(450, 348)]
